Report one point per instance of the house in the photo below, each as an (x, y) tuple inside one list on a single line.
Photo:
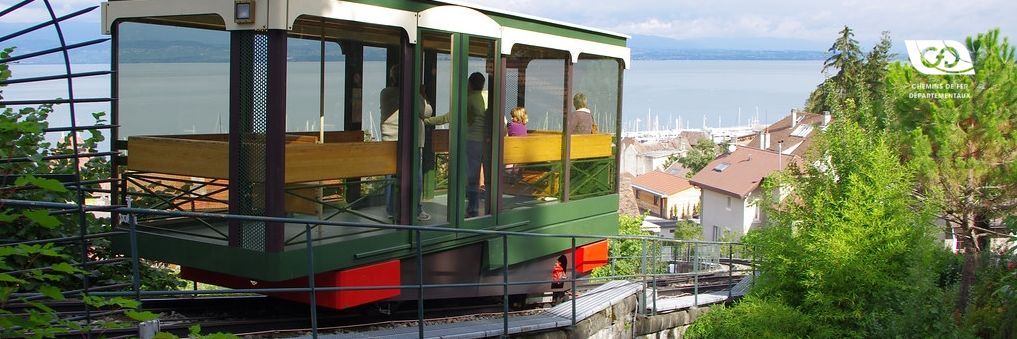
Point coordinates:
[(664, 228), (731, 188), (793, 134), (664, 195), (676, 169), (639, 156)]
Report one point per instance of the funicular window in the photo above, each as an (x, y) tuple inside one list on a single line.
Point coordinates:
[(315, 78), (534, 82), (435, 142), (343, 119), (593, 167), (173, 105), (172, 80)]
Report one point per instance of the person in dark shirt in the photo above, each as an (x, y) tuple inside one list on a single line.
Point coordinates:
[(478, 141)]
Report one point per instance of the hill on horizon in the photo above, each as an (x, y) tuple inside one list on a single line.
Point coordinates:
[(644, 47)]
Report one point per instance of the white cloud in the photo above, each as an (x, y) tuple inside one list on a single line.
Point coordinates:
[(690, 19), (789, 19), (36, 12)]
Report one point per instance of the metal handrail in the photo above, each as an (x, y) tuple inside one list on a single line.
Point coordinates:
[(237, 217), (647, 275)]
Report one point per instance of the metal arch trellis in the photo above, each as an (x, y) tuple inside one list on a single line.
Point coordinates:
[(73, 180)]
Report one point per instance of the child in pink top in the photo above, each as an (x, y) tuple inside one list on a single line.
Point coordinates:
[(517, 127)]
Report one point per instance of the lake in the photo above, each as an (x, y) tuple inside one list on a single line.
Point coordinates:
[(694, 89), (656, 92)]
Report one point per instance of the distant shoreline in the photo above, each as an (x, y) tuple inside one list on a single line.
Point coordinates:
[(634, 58)]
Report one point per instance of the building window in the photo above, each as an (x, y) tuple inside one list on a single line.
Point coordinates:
[(716, 233), (728, 203)]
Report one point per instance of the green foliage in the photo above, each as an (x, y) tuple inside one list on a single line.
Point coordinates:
[(733, 251), (957, 132), (688, 230), (194, 332), (994, 297), (858, 79), (696, 158), (626, 254), (21, 136), (755, 317), (964, 145), (962, 141), (37, 319), (33, 274), (850, 247), (845, 57)]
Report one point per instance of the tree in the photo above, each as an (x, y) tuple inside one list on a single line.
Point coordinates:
[(850, 252), (872, 83), (856, 77), (875, 63), (962, 139), (688, 230), (696, 158), (845, 58), (626, 253)]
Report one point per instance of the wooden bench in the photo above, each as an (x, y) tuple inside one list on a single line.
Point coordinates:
[(344, 155), (540, 146)]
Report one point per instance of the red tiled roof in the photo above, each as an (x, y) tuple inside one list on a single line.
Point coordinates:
[(781, 131), (661, 183), (745, 170)]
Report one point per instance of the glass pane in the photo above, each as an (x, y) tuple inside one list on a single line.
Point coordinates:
[(306, 112), (174, 92), (172, 80), (435, 147), (595, 84), (479, 124), (350, 172), (534, 106)]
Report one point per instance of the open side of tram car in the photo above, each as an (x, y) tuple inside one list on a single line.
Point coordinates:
[(292, 109)]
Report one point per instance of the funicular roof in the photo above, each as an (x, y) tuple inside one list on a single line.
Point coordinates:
[(515, 28)]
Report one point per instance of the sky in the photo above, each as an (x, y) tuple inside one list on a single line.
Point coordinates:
[(790, 23), (786, 24)]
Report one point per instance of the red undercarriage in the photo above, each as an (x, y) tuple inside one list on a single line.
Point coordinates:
[(385, 273)]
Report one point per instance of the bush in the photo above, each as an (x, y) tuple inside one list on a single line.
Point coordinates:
[(850, 247), (993, 311), (757, 318), (625, 255)]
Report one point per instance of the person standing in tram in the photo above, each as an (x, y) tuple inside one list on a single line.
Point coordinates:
[(478, 140)]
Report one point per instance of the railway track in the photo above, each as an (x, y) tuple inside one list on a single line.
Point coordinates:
[(262, 316)]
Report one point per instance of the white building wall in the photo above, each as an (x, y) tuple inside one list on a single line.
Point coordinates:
[(645, 164), (684, 201), (629, 162), (753, 216), (656, 163), (716, 212)]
